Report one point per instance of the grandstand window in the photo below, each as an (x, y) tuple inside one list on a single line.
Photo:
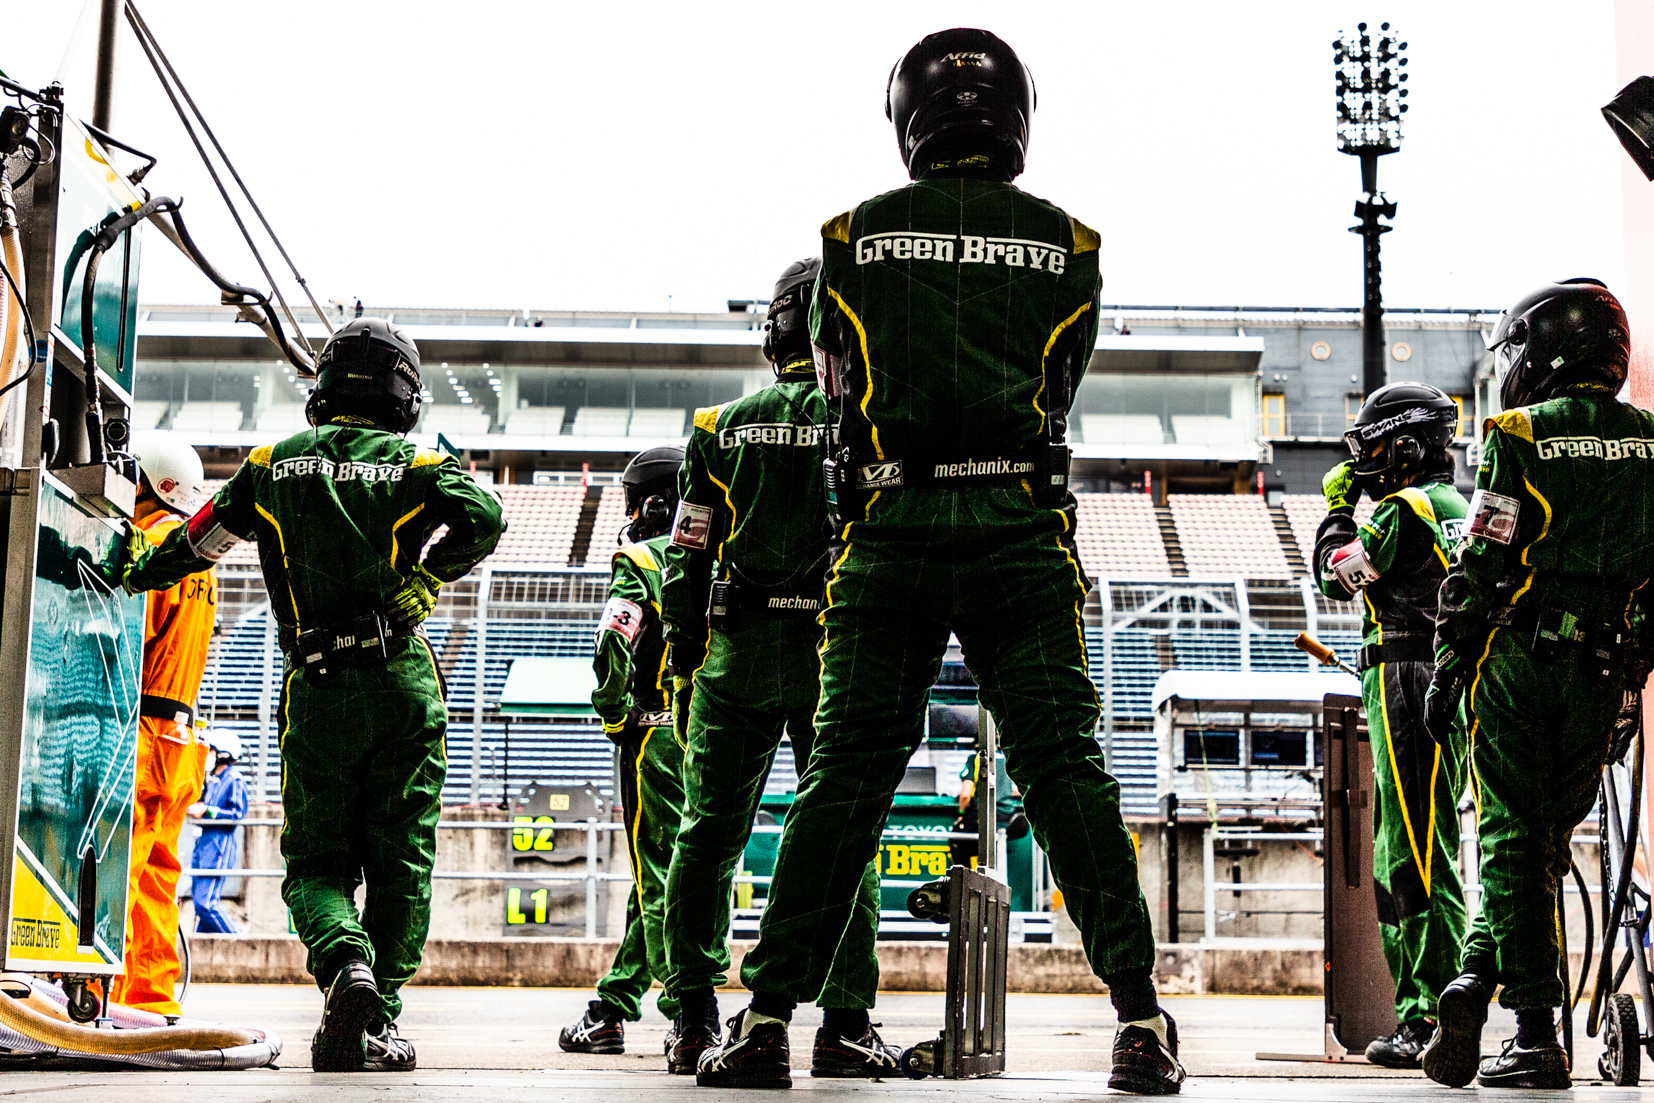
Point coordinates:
[(1462, 430), (1274, 415), (1352, 407)]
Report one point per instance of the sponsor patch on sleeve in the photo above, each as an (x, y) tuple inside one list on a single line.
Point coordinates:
[(1352, 567), (692, 527), (620, 615), (1493, 516), (208, 539)]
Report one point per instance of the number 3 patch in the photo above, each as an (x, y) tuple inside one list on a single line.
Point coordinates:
[(1493, 516), (620, 615)]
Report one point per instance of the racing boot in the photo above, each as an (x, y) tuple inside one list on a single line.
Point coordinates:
[(672, 1035), (694, 1031), (340, 1042), (1401, 1050), (1145, 1058), (1542, 1066), (867, 1056), (1451, 1055), (755, 1056), (388, 1051), (600, 1030)]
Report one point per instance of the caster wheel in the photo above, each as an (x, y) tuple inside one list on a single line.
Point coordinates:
[(1622, 1035), (84, 1004), (920, 1061)]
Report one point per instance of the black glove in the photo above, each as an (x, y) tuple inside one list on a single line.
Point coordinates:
[(1441, 700)]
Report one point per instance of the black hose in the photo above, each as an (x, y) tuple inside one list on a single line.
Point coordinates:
[(1562, 971), (1590, 939)]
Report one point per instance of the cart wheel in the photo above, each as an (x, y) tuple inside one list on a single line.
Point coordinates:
[(1621, 1062), (84, 1004), (920, 1061)]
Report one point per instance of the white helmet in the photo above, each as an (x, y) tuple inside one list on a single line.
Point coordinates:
[(224, 741), (172, 467)]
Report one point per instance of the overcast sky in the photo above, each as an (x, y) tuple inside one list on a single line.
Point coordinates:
[(554, 155)]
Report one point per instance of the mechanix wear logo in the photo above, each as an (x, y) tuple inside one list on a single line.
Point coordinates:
[(1493, 516), (805, 604), (1626, 448), (692, 527), (871, 476), (977, 468), (338, 472), (780, 433), (967, 249)]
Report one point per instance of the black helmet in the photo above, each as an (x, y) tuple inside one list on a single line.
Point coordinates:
[(651, 482), (1402, 431), (1562, 335), (787, 323), (368, 369), (961, 94)]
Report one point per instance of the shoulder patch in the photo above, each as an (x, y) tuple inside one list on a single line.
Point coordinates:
[(706, 418), (638, 554), (837, 228), (1515, 422), (427, 457), (260, 456), (1085, 238), (1418, 500)]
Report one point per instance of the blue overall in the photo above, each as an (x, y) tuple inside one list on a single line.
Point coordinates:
[(226, 799)]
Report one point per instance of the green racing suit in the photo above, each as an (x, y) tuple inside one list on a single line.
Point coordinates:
[(634, 699), (953, 319), (1560, 547), (342, 514), (1394, 564), (750, 516)]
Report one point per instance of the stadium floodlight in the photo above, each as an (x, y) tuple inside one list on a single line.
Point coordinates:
[(1368, 74)]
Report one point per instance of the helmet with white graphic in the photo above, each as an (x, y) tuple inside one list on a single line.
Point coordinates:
[(961, 98), (368, 370), (1563, 335), (1401, 433), (170, 468), (787, 323)]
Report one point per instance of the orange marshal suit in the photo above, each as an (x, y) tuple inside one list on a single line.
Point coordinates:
[(171, 769)]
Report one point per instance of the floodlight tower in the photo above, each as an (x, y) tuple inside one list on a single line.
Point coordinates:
[(1369, 77)]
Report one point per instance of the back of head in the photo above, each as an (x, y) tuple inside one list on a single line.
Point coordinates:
[(961, 101), (651, 482), (787, 323), (1401, 436), (367, 374), (1563, 336), (170, 468)]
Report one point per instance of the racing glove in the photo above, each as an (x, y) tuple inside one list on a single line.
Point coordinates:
[(1338, 486), (414, 601), (1441, 700), (138, 551)]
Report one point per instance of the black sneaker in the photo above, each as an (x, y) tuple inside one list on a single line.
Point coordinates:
[(388, 1051), (1401, 1050), (1543, 1066), (600, 1030), (760, 1059), (339, 1044), (1145, 1065), (1451, 1055), (867, 1057), (694, 1031)]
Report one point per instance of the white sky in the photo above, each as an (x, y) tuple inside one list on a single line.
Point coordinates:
[(558, 155)]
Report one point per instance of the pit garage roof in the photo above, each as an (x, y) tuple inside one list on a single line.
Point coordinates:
[(548, 687), (1242, 691)]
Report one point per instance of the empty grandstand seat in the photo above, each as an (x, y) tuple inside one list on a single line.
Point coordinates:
[(147, 415), (656, 423), (535, 421), (540, 523), (283, 420), (207, 417), (1202, 429), (1304, 512), (1122, 429), (1118, 536), (454, 421), (601, 421), (1228, 535), (606, 526)]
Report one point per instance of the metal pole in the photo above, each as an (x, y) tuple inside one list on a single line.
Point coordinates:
[(103, 87), (1173, 861), (1372, 301), (1312, 615), (591, 878), (485, 585), (1209, 888), (1105, 598), (987, 790), (1243, 607)]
